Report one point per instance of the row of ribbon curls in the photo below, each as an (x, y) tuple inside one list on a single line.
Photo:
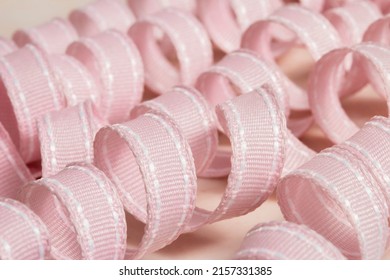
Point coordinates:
[(73, 114)]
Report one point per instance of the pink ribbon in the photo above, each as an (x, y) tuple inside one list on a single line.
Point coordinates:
[(27, 93), (191, 112), (14, 171), (100, 16), (58, 131), (293, 21), (51, 37), (78, 230), (156, 173), (370, 66), (23, 236), (58, 91), (352, 20), (115, 63), (349, 207), (189, 40), (226, 20), (378, 31), (284, 241)]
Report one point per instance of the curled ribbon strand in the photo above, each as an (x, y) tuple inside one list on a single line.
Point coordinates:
[(74, 106)]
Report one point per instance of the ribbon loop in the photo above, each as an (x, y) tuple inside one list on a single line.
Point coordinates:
[(52, 37), (78, 230), (190, 42), (102, 15)]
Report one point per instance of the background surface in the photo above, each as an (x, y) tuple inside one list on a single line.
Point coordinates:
[(220, 240)]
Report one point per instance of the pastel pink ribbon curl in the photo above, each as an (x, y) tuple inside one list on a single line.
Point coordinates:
[(240, 72), (100, 16), (374, 154), (192, 114), (255, 126), (348, 207), (190, 42), (352, 20), (328, 77), (66, 203), (378, 31), (292, 21), (67, 136), (52, 37), (6, 46), (28, 89), (226, 20), (285, 241), (12, 167), (115, 63), (237, 73), (76, 82), (151, 164), (23, 236)]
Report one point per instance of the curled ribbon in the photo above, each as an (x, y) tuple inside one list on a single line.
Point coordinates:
[(52, 37), (75, 105), (189, 39)]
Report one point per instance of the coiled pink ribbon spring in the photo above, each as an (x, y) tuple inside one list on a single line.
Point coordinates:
[(292, 21), (100, 16), (78, 100), (189, 39), (15, 172), (52, 37), (23, 236), (26, 92), (370, 61), (352, 20), (233, 18), (78, 229), (349, 207)]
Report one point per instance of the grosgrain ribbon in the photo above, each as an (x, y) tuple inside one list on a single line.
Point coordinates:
[(58, 131), (52, 37), (147, 159), (78, 230), (349, 207), (154, 174), (116, 65), (307, 25), (352, 20), (23, 236), (14, 172), (371, 65), (189, 39), (28, 91), (191, 112), (226, 20), (100, 16), (284, 241)]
